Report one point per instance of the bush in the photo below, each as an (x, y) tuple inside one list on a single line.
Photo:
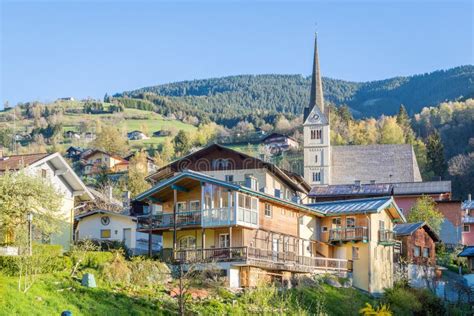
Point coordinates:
[(146, 272), (117, 271), (411, 301), (46, 258), (97, 259)]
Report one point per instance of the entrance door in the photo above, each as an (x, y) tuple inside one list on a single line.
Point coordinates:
[(127, 237)]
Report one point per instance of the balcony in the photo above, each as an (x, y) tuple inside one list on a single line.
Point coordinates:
[(166, 220), (386, 237), (216, 217), (287, 261), (468, 219), (345, 234)]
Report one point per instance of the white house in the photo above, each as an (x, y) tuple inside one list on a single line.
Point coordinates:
[(54, 169), (104, 225)]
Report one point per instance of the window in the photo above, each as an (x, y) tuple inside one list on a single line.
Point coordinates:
[(194, 205), (416, 251), (319, 134), (350, 222), (313, 134), (381, 225), (155, 209), (355, 253), (229, 178), (325, 229), (336, 221), (44, 173), (181, 207), (224, 240), (277, 193), (268, 210), (187, 242), (426, 252), (105, 233), (372, 181), (315, 158), (466, 229), (357, 182), (317, 176)]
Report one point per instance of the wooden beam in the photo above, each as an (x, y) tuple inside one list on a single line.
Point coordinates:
[(60, 172), (175, 206), (154, 199), (176, 187)]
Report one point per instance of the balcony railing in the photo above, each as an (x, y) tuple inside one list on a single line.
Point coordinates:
[(348, 234), (386, 237), (468, 219), (218, 217), (258, 257), (166, 220)]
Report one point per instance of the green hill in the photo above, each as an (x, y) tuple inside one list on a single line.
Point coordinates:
[(227, 100)]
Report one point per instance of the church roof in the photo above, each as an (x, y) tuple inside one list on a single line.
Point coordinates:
[(366, 163), (316, 99)]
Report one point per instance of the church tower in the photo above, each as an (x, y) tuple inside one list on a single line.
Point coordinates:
[(317, 147)]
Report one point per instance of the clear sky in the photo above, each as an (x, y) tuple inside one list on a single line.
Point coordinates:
[(75, 48)]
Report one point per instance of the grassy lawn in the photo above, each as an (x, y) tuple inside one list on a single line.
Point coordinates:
[(51, 295)]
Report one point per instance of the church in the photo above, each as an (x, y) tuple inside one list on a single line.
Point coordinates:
[(354, 164)]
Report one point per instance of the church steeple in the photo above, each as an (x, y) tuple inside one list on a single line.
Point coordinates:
[(316, 97)]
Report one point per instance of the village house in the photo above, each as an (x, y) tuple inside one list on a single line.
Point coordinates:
[(54, 169), (405, 194), (255, 236), (107, 226), (232, 166), (136, 135), (468, 222), (74, 153), (161, 133), (72, 134), (98, 161), (417, 251), (277, 142), (150, 162)]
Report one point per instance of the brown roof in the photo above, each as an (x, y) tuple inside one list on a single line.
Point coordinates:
[(16, 162), (93, 152)]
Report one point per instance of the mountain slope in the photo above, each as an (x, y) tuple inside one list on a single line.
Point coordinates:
[(234, 96)]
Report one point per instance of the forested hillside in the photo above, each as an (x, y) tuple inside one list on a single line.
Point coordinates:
[(226, 100)]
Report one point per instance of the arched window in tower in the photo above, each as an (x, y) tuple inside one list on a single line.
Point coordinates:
[(319, 134), (317, 176), (316, 158)]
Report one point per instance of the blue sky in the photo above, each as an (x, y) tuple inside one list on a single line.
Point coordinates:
[(74, 48)]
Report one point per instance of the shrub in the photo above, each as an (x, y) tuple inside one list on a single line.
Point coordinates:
[(146, 272), (97, 259), (411, 301), (117, 271)]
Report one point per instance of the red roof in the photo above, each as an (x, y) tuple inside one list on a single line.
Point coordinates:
[(16, 162)]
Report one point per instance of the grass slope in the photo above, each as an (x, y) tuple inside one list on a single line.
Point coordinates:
[(51, 295)]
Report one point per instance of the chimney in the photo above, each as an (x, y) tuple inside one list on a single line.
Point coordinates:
[(469, 197)]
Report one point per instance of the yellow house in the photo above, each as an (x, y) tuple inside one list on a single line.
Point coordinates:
[(250, 234), (362, 230), (99, 161)]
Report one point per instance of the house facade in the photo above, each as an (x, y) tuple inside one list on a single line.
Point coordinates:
[(54, 169), (468, 222), (232, 166), (97, 161), (417, 251), (106, 226), (277, 142), (254, 236)]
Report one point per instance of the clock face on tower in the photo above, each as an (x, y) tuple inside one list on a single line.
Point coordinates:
[(315, 116)]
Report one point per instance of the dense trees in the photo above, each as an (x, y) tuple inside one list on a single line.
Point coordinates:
[(110, 139), (228, 100)]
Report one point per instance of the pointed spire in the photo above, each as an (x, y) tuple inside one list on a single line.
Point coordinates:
[(316, 82)]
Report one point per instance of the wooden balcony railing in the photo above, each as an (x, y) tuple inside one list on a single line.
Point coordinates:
[(386, 237), (348, 234), (166, 220), (257, 257)]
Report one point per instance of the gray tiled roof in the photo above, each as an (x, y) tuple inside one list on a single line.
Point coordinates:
[(351, 189), (407, 229), (468, 205), (382, 163), (422, 187)]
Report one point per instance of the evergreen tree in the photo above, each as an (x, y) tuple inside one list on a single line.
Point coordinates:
[(182, 142), (435, 154)]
